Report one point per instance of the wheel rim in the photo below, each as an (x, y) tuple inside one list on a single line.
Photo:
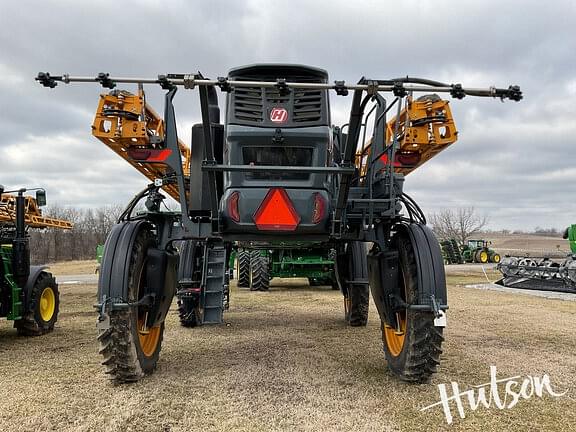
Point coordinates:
[(47, 304), (395, 337), (148, 338), (483, 257), (496, 258), (347, 306)]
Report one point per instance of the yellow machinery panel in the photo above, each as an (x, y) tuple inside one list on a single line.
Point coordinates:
[(33, 214), (426, 128), (129, 126)]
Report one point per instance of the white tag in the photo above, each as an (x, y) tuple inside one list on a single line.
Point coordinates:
[(441, 320), (104, 324), (158, 182)]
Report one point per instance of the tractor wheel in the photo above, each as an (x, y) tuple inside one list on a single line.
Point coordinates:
[(243, 258), (260, 276), (189, 312), (131, 350), (495, 258), (412, 350), (41, 309), (189, 270), (357, 296), (482, 256)]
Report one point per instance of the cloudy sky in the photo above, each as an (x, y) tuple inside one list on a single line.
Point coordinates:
[(514, 162)]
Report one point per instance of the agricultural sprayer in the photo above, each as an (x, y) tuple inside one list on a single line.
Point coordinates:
[(28, 294), (276, 172)]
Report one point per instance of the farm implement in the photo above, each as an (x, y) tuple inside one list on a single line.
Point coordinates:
[(542, 273), (28, 294), (274, 172), (256, 267)]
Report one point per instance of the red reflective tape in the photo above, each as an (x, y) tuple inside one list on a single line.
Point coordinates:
[(149, 155), (384, 159), (159, 155)]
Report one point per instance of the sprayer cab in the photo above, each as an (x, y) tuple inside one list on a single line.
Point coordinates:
[(285, 128)]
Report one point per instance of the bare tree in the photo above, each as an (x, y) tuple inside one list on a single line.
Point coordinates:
[(91, 227), (459, 224)]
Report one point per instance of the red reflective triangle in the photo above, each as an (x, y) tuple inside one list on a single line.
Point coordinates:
[(276, 212)]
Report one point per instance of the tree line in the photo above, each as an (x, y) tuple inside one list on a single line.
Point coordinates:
[(91, 227)]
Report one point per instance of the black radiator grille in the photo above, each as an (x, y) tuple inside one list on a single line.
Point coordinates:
[(254, 105), (307, 106), (248, 104)]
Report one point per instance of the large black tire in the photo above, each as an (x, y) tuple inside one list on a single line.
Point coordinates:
[(413, 352), (189, 312), (260, 274), (356, 295), (482, 256), (41, 307), (190, 268), (129, 351), (243, 257)]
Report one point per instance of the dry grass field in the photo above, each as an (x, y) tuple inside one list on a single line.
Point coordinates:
[(284, 360), (73, 267), (529, 244)]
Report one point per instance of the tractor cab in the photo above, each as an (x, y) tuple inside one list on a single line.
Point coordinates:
[(475, 244), (286, 130)]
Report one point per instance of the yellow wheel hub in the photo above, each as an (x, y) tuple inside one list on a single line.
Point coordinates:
[(47, 304), (496, 258), (394, 338), (483, 257), (148, 338)]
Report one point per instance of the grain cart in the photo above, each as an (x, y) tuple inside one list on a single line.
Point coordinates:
[(28, 294), (478, 251), (256, 267), (275, 171), (542, 273)]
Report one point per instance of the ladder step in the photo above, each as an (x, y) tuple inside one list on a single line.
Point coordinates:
[(213, 295)]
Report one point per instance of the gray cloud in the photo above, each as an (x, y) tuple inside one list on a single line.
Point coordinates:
[(513, 161)]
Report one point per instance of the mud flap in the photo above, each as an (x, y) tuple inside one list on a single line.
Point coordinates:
[(113, 278), (32, 277), (161, 270), (383, 268)]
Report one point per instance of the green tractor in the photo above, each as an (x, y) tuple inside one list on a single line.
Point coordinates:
[(478, 251), (28, 294), (257, 267), (99, 253)]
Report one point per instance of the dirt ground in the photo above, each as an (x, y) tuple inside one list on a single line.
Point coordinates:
[(284, 360)]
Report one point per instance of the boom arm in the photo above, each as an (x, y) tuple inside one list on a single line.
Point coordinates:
[(426, 128), (134, 131), (33, 214)]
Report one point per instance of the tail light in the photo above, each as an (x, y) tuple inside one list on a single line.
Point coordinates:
[(403, 158), (276, 212), (233, 207), (149, 155), (319, 210)]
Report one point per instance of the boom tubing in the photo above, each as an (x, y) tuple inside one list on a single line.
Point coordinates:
[(399, 88)]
